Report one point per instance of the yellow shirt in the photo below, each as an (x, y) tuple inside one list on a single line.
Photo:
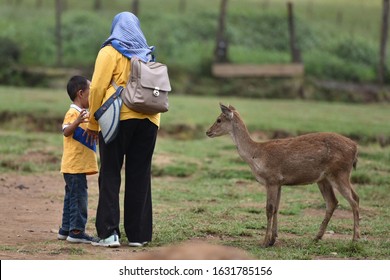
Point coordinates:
[(78, 156), (111, 64)]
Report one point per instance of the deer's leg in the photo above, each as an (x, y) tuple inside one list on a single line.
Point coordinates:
[(344, 186), (275, 218), (331, 204), (272, 195)]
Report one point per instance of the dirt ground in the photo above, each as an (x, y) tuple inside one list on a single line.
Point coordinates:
[(31, 209)]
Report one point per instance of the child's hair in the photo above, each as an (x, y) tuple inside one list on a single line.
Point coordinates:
[(75, 84)]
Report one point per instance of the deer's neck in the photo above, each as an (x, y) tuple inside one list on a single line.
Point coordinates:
[(241, 138)]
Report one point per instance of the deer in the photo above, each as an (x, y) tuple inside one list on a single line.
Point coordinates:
[(325, 158)]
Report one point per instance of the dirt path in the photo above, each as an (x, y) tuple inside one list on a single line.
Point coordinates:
[(31, 209)]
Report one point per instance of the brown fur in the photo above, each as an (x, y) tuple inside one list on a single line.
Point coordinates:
[(323, 158)]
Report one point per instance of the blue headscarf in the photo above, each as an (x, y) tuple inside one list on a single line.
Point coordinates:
[(127, 37)]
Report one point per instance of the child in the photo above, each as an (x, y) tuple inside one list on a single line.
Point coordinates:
[(78, 160)]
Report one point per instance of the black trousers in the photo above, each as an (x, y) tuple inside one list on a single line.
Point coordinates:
[(135, 141)]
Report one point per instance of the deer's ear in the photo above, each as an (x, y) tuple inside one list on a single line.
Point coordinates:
[(226, 111)]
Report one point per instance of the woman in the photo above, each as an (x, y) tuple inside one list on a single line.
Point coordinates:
[(135, 140)]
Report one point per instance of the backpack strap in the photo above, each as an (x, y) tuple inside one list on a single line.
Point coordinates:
[(114, 84), (133, 73)]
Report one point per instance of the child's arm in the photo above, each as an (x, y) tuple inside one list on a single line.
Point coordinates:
[(83, 117)]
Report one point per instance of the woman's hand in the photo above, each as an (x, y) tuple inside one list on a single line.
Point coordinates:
[(92, 136)]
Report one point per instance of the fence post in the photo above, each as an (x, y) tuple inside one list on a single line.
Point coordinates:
[(222, 44), (182, 6), (135, 7), (97, 5), (383, 43), (295, 53)]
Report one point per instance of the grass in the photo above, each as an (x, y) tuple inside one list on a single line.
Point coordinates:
[(364, 121), (203, 190)]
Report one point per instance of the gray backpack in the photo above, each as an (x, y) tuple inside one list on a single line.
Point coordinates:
[(147, 88)]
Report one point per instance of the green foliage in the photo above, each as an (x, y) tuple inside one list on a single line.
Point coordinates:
[(347, 58), (356, 49), (269, 32), (37, 42), (335, 41), (83, 34), (325, 65), (9, 52)]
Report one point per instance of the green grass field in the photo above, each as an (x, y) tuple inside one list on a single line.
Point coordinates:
[(203, 190)]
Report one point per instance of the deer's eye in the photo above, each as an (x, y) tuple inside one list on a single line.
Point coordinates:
[(219, 120)]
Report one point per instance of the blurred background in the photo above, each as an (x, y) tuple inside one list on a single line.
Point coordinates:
[(313, 49)]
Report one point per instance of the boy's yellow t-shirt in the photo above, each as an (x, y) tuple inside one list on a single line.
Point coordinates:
[(78, 155)]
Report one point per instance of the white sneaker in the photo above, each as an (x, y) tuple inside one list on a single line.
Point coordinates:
[(111, 241), (137, 244)]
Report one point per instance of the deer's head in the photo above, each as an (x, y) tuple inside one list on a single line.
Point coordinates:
[(223, 124)]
